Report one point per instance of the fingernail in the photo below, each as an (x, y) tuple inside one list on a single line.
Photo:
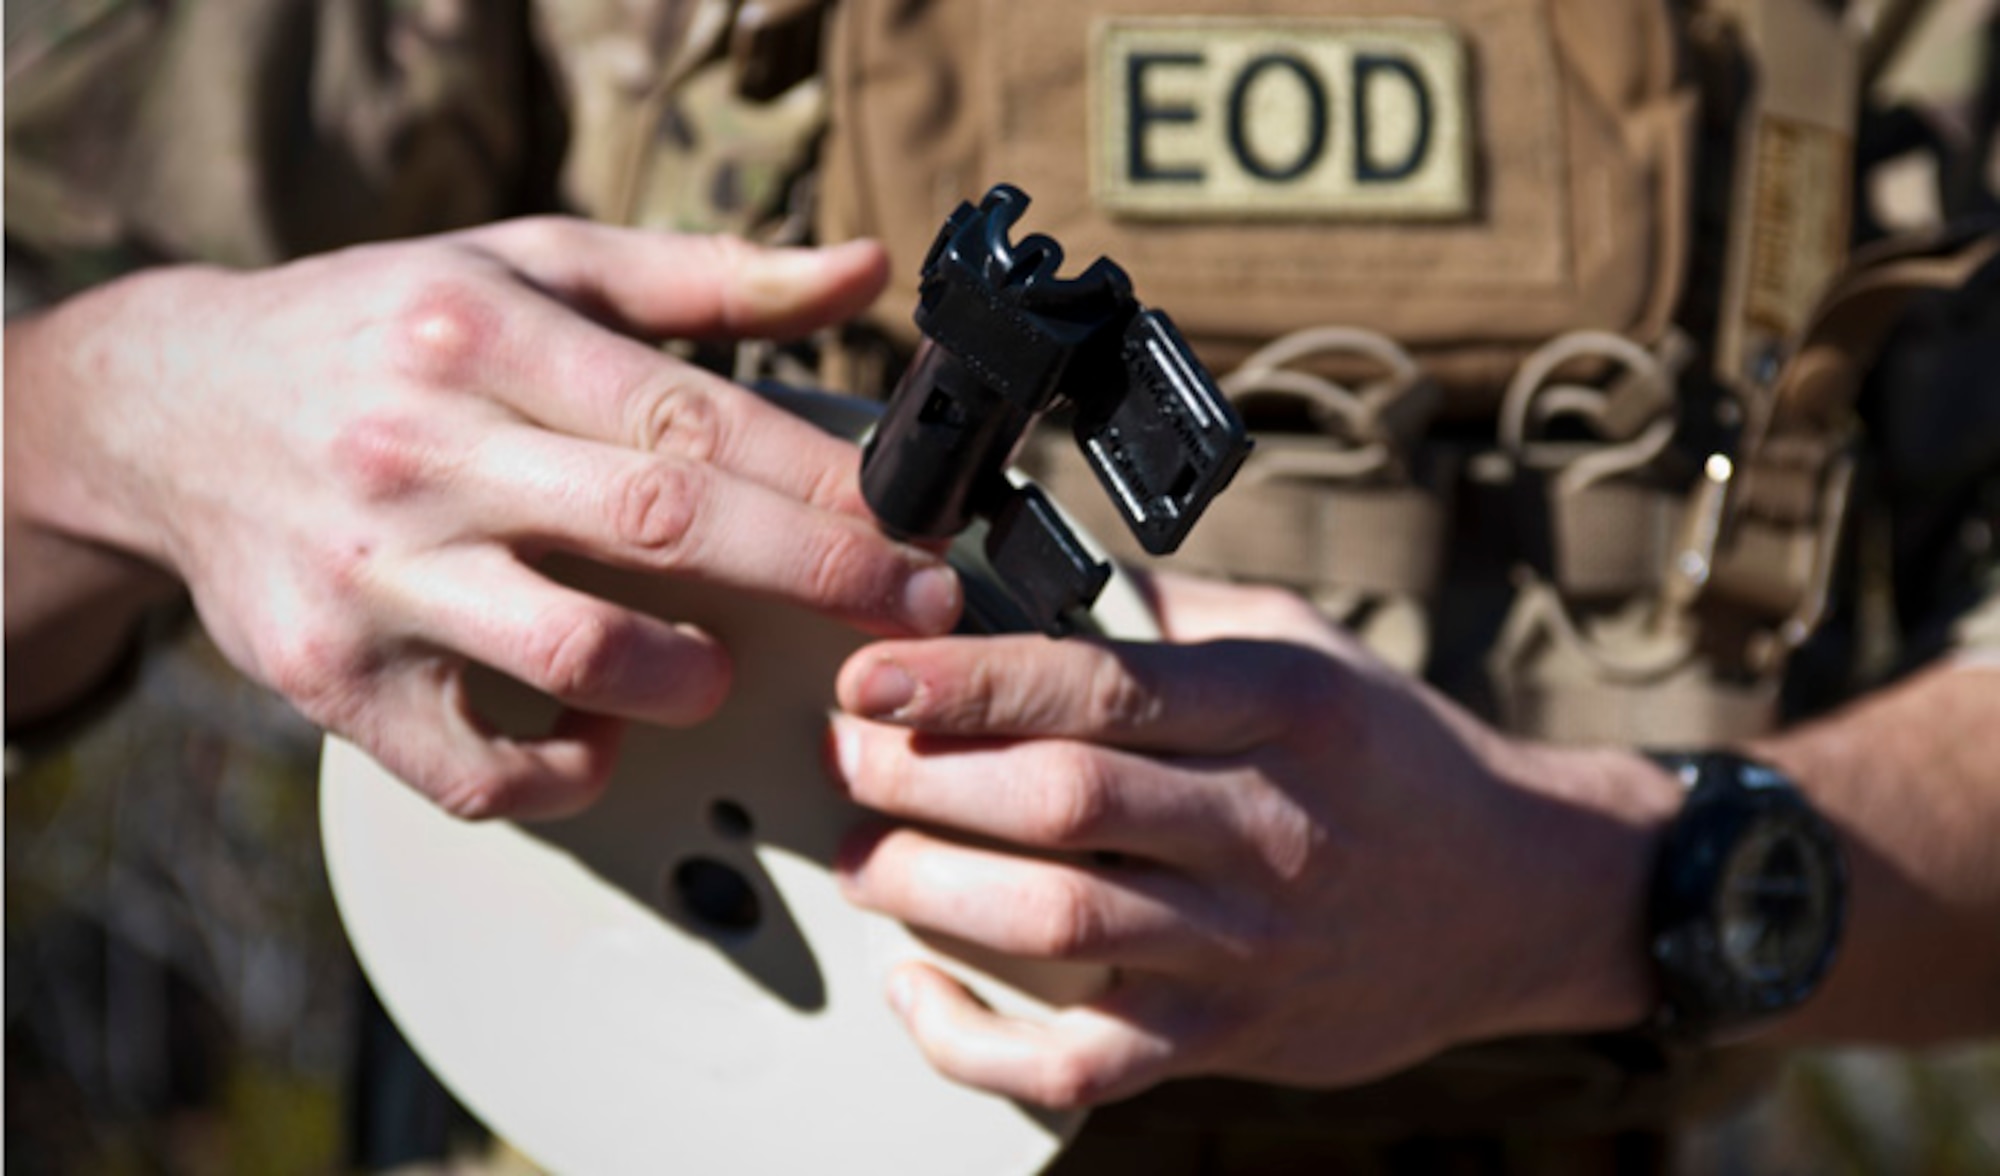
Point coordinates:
[(888, 688), (902, 993), (846, 749), (931, 599)]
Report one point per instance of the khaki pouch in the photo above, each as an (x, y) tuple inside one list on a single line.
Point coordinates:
[(1470, 179)]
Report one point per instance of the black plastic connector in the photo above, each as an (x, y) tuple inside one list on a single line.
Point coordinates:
[(1005, 339)]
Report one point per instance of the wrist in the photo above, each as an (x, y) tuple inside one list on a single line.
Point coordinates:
[(1591, 820), (79, 442), (81, 566), (72, 611)]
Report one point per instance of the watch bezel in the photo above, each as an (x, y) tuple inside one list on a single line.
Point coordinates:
[(1729, 797)]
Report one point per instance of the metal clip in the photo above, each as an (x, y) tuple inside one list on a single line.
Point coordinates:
[(1692, 559)]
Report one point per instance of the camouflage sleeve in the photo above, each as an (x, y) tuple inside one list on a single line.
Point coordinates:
[(247, 131)]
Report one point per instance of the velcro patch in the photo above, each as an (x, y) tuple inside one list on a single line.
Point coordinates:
[(1199, 118)]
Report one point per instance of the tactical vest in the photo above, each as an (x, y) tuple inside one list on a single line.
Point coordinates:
[(1546, 286)]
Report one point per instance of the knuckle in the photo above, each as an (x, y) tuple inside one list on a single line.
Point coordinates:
[(1065, 920), (342, 566), (830, 559), (1298, 846), (385, 456), (885, 782), (1259, 930), (511, 789), (1077, 798), (727, 262), (654, 509), (671, 416), (1070, 1080), (837, 487), (443, 329), (482, 795), (321, 673), (1116, 701), (575, 655), (974, 702)]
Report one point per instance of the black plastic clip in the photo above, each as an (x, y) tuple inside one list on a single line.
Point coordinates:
[(1006, 339)]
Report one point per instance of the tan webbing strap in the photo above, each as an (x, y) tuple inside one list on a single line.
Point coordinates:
[(1304, 534), (1622, 677), (1367, 555), (1793, 166), (1773, 562), (1610, 540), (1847, 329), (1609, 521), (1741, 568), (1375, 535)]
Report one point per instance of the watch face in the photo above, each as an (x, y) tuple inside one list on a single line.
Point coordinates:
[(1775, 907)]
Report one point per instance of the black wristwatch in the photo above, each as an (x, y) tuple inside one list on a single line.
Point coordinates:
[(1749, 893)]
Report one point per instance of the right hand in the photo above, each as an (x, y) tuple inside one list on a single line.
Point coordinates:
[(1300, 865), (354, 461)]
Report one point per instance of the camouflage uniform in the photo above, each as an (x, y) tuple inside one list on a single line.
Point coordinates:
[(249, 131)]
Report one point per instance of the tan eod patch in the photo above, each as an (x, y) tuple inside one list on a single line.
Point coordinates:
[(1201, 118)]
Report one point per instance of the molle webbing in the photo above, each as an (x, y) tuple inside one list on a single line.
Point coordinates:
[(1698, 657), (1773, 560)]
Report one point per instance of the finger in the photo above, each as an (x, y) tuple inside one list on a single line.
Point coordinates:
[(543, 361), (1022, 906), (686, 519), (1211, 699), (690, 285), (1077, 1058), (1044, 794), (1194, 609), (418, 724), (584, 652)]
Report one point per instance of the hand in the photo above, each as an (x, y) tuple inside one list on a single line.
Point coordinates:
[(1303, 867), (354, 462)]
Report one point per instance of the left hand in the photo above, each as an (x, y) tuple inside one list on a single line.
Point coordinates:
[(1302, 866), (358, 463)]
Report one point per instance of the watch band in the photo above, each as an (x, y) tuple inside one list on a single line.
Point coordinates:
[(1716, 766)]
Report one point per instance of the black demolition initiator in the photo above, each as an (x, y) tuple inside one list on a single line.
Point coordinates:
[(1005, 340)]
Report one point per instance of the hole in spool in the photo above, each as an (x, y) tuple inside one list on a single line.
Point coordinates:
[(716, 896), (730, 820)]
